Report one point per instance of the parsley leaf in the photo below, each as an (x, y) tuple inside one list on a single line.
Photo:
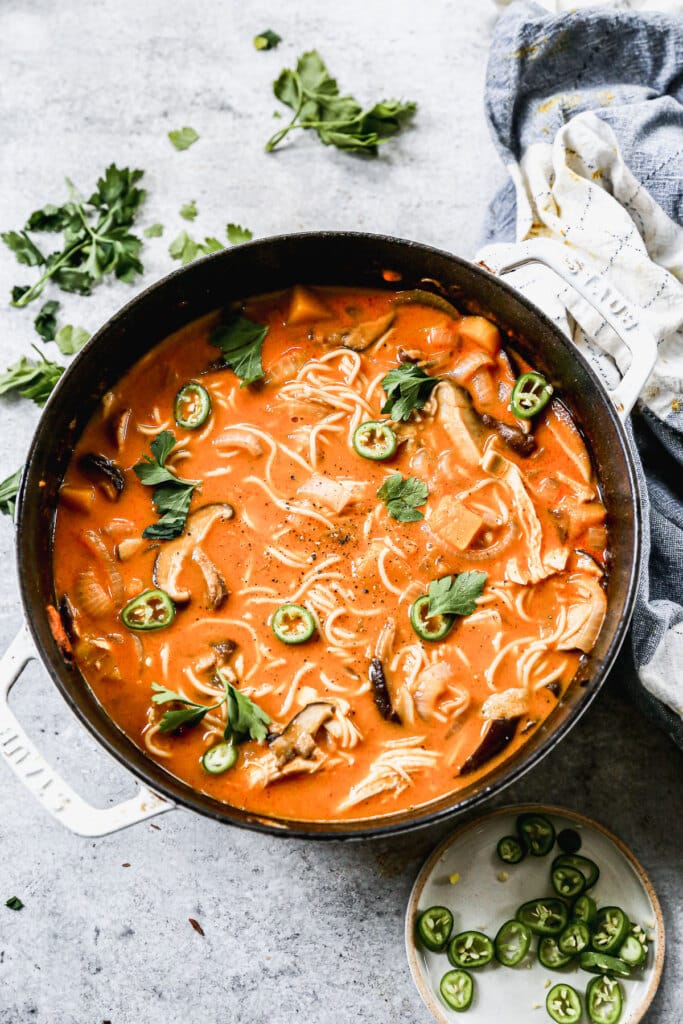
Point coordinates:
[(186, 249), (407, 388), (245, 719), (46, 321), (96, 239), (190, 715), (403, 496), (154, 231), (14, 903), (34, 380), (188, 211), (237, 234), (267, 40), (71, 339), (183, 138), (23, 248), (172, 494), (340, 121), (8, 493), (240, 341), (456, 595)]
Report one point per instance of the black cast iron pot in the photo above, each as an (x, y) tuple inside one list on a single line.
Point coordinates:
[(265, 266)]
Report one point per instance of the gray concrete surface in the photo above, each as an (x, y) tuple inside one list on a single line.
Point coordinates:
[(294, 931)]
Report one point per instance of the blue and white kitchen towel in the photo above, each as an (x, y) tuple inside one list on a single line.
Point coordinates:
[(587, 111)]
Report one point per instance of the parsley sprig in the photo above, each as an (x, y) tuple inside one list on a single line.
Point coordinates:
[(9, 489), (244, 720), (403, 496), (96, 237), (241, 341), (456, 595), (31, 378), (172, 495), (407, 388), (340, 121)]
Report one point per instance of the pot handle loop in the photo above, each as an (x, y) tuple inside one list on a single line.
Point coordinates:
[(616, 310), (31, 768)]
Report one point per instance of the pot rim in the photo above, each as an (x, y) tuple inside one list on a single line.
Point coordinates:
[(153, 775)]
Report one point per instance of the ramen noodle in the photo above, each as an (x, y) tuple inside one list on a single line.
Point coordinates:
[(357, 571)]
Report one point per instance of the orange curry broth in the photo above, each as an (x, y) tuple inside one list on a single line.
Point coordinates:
[(122, 678)]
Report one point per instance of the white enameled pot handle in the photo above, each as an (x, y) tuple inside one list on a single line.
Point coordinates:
[(31, 768), (616, 310)]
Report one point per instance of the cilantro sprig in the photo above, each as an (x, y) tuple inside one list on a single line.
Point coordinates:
[(241, 341), (339, 121), (402, 496), (244, 719), (96, 237), (9, 489), (183, 138), (407, 388), (456, 595), (31, 378), (172, 495)]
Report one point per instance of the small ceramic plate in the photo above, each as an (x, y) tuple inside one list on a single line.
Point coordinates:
[(482, 899)]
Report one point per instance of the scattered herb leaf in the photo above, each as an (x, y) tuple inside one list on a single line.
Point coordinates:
[(245, 719), (8, 493), (172, 494), (14, 903), (456, 595), (241, 341), (183, 138), (188, 211), (96, 238), (154, 231), (340, 121), (46, 321), (237, 234), (267, 40), (403, 496), (34, 380), (407, 388), (186, 249), (71, 339)]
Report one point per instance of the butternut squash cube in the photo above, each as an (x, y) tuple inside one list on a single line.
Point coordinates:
[(306, 306), (477, 330), (455, 523)]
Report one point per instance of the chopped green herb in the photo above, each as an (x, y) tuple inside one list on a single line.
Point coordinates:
[(189, 210), (240, 341), (339, 121), (32, 379), (456, 595), (46, 321), (154, 231), (407, 388), (237, 234), (245, 719), (24, 249), (186, 249), (14, 903), (267, 40), (71, 339), (183, 138), (96, 238), (172, 494), (8, 493), (403, 496)]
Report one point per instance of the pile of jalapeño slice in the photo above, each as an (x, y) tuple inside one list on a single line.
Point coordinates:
[(570, 927)]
